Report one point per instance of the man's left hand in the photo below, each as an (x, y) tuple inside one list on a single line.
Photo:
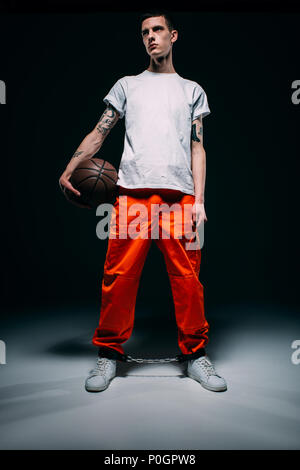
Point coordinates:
[(198, 214)]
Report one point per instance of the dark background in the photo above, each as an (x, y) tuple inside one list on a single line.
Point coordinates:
[(59, 64)]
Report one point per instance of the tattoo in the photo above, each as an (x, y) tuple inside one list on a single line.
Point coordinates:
[(194, 134), (76, 154), (107, 120), (197, 131), (110, 108)]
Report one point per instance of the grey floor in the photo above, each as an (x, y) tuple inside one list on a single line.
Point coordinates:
[(43, 403)]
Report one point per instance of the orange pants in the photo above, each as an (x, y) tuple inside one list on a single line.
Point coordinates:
[(124, 263)]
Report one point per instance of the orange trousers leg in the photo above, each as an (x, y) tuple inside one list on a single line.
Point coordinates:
[(123, 266)]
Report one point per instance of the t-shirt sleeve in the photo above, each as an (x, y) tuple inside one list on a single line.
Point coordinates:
[(117, 97), (200, 103)]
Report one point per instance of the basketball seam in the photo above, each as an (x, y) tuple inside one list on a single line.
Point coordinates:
[(107, 169), (96, 173), (97, 179)]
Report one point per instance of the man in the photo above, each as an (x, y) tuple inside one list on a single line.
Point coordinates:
[(163, 162)]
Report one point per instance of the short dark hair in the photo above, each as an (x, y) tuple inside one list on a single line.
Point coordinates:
[(149, 14)]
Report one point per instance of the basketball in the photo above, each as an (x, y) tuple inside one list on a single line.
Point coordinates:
[(96, 180)]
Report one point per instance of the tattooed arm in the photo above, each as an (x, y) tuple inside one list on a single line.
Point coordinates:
[(90, 145), (106, 122), (198, 158)]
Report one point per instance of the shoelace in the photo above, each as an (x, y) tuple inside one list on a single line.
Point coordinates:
[(206, 366), (100, 366)]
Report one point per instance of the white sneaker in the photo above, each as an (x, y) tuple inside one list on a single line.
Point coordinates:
[(202, 370), (100, 377)]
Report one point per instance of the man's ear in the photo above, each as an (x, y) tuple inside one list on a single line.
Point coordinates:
[(174, 32)]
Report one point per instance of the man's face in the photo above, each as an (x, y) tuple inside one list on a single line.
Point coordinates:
[(155, 32)]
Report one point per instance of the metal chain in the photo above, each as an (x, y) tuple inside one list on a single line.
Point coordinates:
[(168, 359)]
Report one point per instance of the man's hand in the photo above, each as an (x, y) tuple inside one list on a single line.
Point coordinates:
[(65, 183), (70, 192), (198, 214)]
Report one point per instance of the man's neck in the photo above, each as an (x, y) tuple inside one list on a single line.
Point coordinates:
[(161, 68), (161, 71)]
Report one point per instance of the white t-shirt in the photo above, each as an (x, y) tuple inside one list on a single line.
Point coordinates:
[(159, 109)]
